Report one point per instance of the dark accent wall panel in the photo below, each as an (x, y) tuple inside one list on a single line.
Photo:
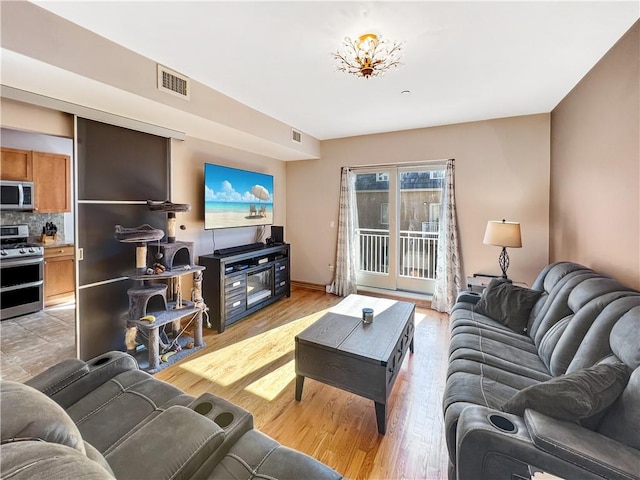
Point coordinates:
[(103, 309), (105, 257), (117, 168), (121, 164)]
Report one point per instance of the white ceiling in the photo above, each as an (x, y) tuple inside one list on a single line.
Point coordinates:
[(464, 61)]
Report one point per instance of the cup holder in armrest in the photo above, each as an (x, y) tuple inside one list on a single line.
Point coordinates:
[(203, 408), (501, 423), (224, 419), (226, 415)]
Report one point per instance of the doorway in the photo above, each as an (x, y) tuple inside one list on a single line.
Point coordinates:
[(398, 214)]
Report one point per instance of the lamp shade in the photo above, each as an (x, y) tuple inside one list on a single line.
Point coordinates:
[(503, 234)]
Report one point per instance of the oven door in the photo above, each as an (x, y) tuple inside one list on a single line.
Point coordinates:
[(21, 286)]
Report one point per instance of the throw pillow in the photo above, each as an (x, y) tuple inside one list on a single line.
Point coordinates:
[(573, 396), (508, 304)]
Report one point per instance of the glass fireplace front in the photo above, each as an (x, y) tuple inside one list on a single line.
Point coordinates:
[(259, 286)]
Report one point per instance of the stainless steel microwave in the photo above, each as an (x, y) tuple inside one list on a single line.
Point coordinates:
[(16, 195)]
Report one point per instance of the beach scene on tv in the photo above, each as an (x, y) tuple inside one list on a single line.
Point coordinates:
[(236, 198)]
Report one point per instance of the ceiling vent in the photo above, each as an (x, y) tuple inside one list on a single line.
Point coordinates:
[(296, 136), (173, 83)]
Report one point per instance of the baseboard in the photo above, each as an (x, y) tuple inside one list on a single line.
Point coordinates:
[(418, 299), (397, 295), (308, 285), (59, 299)]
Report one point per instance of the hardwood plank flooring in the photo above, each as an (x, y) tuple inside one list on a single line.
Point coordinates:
[(252, 365)]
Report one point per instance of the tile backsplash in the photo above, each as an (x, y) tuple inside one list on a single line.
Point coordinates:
[(35, 221)]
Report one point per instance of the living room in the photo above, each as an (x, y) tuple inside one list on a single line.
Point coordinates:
[(569, 175)]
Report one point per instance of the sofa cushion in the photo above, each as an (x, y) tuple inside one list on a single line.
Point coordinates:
[(574, 396), (255, 455), (596, 344), (621, 420), (122, 404), (186, 439), (467, 336), (474, 389), (505, 377), (625, 338), (556, 305), (529, 365), (46, 461), (28, 414), (508, 304)]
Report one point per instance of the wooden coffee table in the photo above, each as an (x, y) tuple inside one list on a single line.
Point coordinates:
[(340, 350)]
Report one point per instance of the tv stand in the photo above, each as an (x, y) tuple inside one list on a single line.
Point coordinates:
[(238, 284)]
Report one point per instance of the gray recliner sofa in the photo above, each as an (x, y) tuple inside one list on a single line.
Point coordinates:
[(580, 321), (106, 419)]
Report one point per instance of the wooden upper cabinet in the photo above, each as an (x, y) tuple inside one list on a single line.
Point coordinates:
[(52, 182), (16, 165)]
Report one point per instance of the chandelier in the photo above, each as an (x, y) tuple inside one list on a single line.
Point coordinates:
[(368, 56)]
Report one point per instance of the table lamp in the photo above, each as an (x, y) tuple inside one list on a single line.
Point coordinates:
[(503, 234)]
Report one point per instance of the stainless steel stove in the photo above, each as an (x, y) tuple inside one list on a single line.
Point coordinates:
[(14, 242), (21, 272)]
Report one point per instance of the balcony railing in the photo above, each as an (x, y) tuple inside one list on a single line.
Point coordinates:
[(417, 252)]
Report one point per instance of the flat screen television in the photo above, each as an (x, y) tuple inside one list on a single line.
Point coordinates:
[(236, 198)]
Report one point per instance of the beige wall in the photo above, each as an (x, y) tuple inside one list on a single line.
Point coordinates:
[(187, 186), (187, 172), (28, 30), (595, 169), (502, 171), (29, 118)]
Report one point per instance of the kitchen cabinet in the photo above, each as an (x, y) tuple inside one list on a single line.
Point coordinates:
[(49, 172), (16, 165), (52, 182), (59, 274)]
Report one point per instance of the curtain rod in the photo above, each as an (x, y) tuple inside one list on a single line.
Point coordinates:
[(401, 164)]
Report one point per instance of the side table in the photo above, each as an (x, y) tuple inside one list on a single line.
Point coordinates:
[(477, 283)]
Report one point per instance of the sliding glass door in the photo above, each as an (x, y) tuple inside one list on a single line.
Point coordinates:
[(398, 212), (376, 204)]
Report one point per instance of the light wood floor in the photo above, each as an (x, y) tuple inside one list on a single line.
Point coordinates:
[(252, 365)]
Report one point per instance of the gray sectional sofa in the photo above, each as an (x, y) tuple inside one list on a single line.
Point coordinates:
[(561, 396), (106, 419)]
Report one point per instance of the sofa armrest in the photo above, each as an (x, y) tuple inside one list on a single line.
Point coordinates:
[(59, 376), (235, 422), (497, 445), (173, 445), (70, 380), (576, 444), (468, 297)]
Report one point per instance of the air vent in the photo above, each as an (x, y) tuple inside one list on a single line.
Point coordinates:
[(296, 136), (173, 83)]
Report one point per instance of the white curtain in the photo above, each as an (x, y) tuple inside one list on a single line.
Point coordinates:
[(449, 263), (344, 281)]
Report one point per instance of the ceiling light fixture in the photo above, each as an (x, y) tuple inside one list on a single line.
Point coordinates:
[(368, 56)]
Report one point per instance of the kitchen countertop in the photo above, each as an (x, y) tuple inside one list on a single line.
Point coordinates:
[(56, 244)]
